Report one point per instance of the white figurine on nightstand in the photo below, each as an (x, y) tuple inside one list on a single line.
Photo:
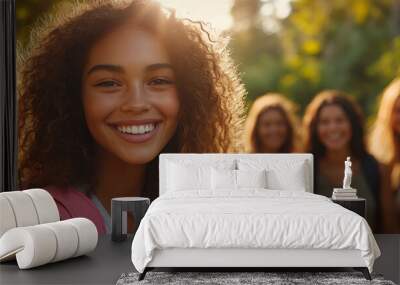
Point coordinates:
[(347, 174), (347, 192)]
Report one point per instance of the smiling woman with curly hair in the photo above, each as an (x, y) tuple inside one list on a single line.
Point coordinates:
[(107, 87)]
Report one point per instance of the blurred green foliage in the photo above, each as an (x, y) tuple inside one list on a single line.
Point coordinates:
[(352, 45), (27, 13)]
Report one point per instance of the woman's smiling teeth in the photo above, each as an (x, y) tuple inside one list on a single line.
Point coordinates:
[(136, 129)]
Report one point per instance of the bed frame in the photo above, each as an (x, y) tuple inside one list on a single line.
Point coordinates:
[(247, 259)]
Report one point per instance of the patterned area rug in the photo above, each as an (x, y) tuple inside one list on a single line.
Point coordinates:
[(230, 278)]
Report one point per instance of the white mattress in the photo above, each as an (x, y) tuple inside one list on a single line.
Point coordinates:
[(254, 218)]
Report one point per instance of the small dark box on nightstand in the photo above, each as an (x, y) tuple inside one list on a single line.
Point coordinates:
[(356, 205)]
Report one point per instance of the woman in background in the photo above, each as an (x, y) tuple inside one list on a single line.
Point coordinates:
[(272, 126), (334, 130), (384, 144), (108, 86)]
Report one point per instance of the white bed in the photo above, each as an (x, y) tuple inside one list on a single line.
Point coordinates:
[(282, 224)]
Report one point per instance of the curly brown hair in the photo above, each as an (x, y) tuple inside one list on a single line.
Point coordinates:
[(55, 146)]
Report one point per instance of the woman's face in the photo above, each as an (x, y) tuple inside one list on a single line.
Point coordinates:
[(129, 95), (334, 128), (396, 117), (272, 130)]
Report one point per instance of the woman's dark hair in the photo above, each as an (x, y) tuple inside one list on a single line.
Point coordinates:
[(352, 112), (55, 146)]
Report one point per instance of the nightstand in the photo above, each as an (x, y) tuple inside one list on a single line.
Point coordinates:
[(119, 208), (358, 206)]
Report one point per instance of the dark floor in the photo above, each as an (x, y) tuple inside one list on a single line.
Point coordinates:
[(389, 262), (106, 264)]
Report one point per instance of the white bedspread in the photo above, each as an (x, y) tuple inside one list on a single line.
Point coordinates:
[(250, 219)]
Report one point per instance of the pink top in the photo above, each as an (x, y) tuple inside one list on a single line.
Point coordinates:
[(74, 204)]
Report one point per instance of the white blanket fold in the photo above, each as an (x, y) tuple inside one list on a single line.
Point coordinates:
[(250, 218)]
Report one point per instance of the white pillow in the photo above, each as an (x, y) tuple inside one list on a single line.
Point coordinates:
[(235, 179), (279, 180), (181, 178), (192, 174), (281, 174), (223, 179), (251, 178)]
